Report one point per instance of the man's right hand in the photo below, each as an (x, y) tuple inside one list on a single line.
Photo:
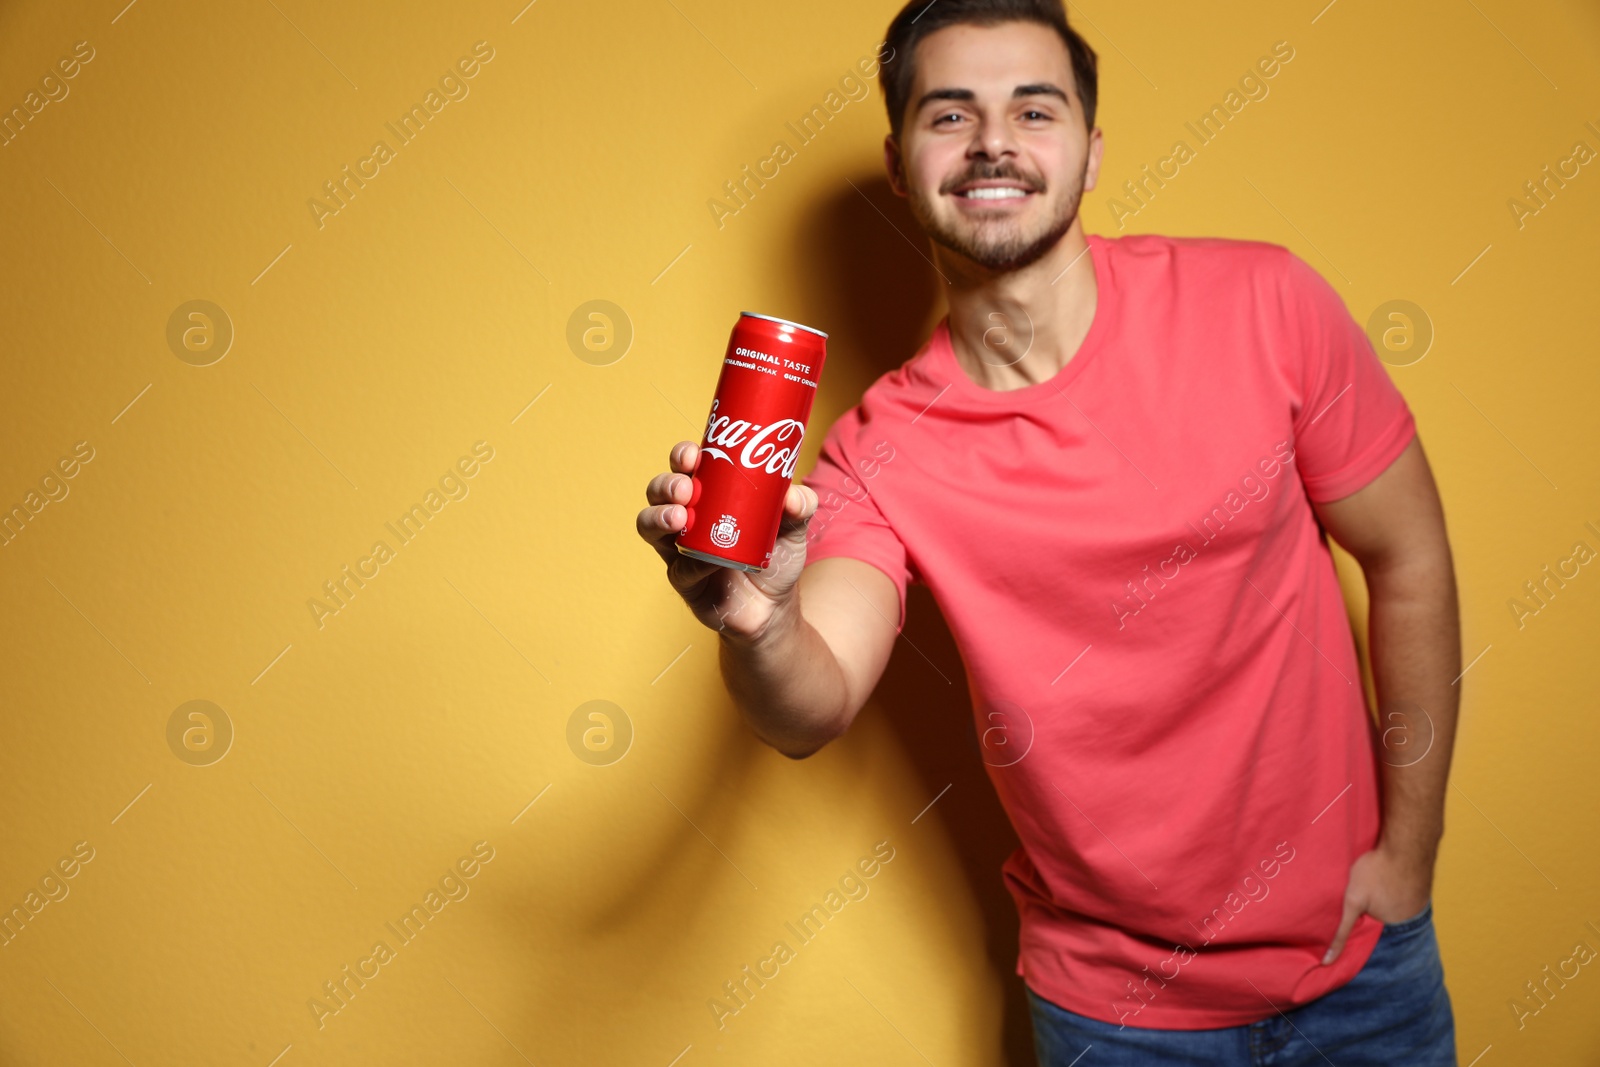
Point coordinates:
[(741, 605)]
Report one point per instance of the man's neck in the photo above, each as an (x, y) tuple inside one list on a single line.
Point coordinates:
[(1020, 328)]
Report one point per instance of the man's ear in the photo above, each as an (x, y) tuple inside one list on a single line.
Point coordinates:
[(892, 164), (1091, 173)]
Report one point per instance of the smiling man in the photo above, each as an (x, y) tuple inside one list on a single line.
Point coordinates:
[(1116, 465)]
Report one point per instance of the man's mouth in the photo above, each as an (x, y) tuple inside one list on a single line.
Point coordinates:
[(992, 190)]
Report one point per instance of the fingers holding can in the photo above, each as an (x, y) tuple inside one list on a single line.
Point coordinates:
[(684, 457)]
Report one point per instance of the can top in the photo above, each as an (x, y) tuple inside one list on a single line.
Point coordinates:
[(786, 322)]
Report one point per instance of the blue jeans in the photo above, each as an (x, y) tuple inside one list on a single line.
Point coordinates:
[(1394, 1011)]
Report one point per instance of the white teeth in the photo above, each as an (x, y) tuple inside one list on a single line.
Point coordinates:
[(994, 193)]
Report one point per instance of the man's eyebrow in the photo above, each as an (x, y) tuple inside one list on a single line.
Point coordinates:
[(1040, 89), (1035, 89)]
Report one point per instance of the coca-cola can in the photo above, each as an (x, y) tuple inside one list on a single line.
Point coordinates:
[(752, 441)]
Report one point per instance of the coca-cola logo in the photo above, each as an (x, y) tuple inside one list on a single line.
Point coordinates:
[(774, 448)]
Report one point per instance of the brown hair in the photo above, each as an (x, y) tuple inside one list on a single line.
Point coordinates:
[(919, 18)]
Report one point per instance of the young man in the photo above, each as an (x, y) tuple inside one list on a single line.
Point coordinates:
[(1113, 464)]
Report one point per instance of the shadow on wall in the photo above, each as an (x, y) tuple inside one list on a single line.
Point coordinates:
[(866, 274), (876, 294)]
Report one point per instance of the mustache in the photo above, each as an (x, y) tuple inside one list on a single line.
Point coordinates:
[(993, 172)]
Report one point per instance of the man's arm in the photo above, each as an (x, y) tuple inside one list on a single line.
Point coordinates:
[(1394, 527), (802, 645), (801, 681)]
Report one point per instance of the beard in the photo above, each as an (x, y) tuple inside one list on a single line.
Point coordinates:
[(999, 244)]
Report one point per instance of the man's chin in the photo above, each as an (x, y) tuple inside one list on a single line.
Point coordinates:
[(999, 254)]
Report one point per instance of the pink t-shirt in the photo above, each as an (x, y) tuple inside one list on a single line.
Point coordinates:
[(1162, 672)]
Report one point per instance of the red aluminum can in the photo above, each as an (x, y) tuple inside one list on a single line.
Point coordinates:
[(752, 441)]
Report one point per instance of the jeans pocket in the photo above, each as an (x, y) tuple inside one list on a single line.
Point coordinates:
[(1405, 926)]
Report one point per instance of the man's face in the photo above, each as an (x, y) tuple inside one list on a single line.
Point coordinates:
[(993, 154)]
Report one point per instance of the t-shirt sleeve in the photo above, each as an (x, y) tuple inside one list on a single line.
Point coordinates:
[(848, 521), (1351, 421)]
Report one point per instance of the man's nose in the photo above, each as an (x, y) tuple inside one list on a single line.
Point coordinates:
[(992, 139)]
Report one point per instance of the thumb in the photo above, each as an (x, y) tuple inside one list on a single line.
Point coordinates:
[(1352, 912), (799, 504), (804, 506)]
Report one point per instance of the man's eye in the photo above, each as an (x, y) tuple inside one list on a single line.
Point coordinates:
[(1035, 114), (941, 118)]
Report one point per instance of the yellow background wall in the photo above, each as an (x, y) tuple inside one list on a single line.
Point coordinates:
[(375, 747)]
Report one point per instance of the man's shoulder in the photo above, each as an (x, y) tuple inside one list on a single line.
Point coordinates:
[(1206, 253), (900, 384), (894, 398), (893, 386)]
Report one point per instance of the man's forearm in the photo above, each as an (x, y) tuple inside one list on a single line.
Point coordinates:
[(1415, 641), (788, 684)]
